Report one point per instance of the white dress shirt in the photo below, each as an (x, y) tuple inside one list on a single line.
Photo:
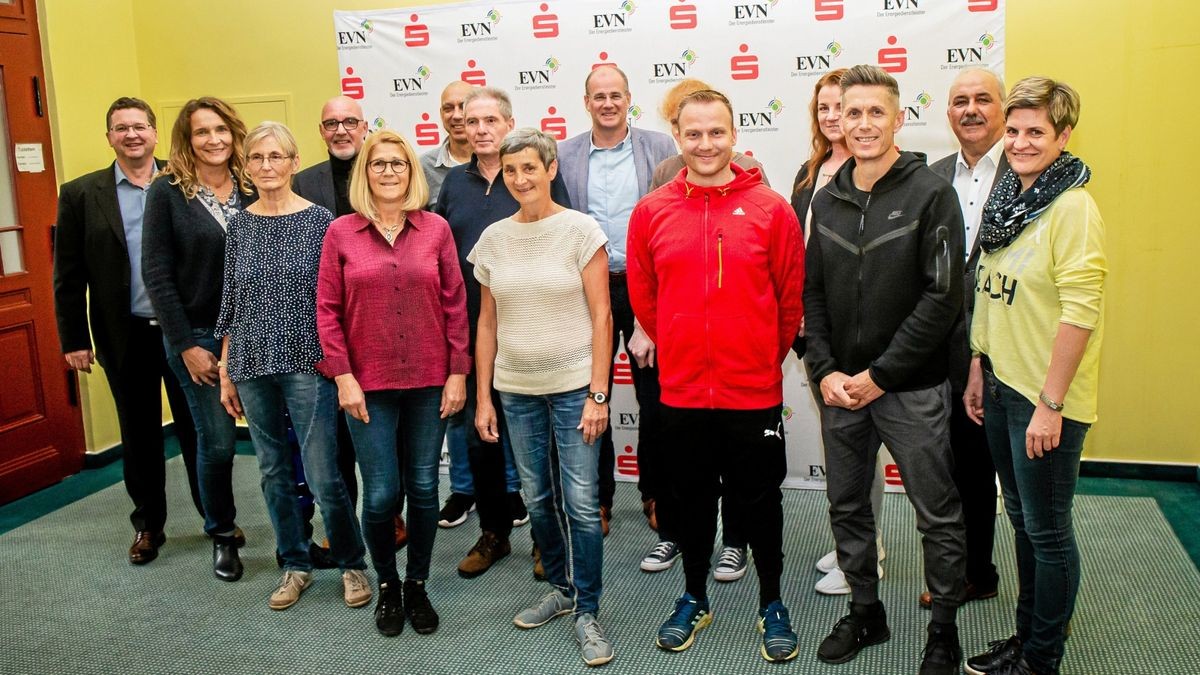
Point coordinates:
[(973, 187)]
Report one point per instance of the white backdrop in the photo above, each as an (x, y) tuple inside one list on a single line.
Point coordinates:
[(766, 56)]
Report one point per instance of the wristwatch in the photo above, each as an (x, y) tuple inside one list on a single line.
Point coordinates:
[(1050, 403), (599, 397)]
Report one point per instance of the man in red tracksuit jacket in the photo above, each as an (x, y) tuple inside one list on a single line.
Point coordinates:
[(716, 277)]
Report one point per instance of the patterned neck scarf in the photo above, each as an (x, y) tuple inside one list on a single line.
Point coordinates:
[(1009, 210)]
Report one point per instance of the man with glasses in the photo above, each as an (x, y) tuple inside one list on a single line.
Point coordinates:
[(98, 272), (607, 169), (343, 129)]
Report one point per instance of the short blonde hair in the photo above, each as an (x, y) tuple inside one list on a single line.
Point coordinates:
[(361, 199), (274, 130), (1058, 99), (670, 103)]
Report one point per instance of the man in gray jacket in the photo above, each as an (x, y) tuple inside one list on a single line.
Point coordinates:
[(607, 169)]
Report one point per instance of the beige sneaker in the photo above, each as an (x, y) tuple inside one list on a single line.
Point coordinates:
[(290, 588), (356, 588)]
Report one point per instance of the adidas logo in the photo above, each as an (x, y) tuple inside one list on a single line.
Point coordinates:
[(739, 212)]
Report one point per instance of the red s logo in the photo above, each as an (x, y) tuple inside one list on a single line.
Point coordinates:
[(830, 10), (472, 76), (683, 17), (627, 463), (603, 56), (545, 25), (352, 87), (743, 67), (893, 59), (555, 127), (426, 132), (891, 475), (416, 34), (982, 5)]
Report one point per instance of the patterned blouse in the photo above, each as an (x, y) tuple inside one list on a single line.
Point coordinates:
[(221, 211), (269, 301)]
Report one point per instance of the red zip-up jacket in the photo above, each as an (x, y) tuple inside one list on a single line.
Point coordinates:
[(716, 279)]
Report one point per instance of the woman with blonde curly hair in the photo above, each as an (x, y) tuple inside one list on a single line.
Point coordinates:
[(188, 207)]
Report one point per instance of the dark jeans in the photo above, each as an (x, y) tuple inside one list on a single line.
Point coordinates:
[(412, 418), (975, 478), (651, 469), (1038, 497), (915, 425), (488, 469), (312, 401), (215, 439), (137, 391), (737, 452)]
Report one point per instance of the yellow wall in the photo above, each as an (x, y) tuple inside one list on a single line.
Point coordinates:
[(1130, 61)]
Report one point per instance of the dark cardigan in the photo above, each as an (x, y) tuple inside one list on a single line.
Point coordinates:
[(183, 261)]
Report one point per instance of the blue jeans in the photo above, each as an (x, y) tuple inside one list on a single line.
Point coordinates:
[(461, 481), (216, 439), (413, 416), (564, 499), (1038, 496), (312, 402)]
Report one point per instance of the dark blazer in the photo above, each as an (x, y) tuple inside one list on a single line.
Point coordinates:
[(91, 268), (183, 261), (960, 336), (316, 185)]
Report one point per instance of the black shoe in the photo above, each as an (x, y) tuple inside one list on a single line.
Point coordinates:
[(516, 509), (864, 626), (456, 510), (416, 605), (389, 609), (1018, 667), (320, 557), (226, 563), (1000, 654), (943, 654)]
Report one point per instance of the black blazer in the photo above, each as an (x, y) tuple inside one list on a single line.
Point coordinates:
[(316, 185), (183, 261), (960, 335), (91, 267)]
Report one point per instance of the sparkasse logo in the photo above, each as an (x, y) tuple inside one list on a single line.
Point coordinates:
[(743, 66), (427, 132), (554, 125), (416, 34), (545, 25), (893, 59), (352, 87), (682, 16)]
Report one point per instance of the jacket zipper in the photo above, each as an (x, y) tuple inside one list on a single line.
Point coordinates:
[(862, 221), (707, 302), (720, 258)]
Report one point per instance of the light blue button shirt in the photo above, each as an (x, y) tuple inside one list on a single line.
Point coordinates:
[(132, 201), (612, 192)]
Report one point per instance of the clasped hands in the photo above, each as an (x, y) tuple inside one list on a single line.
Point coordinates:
[(840, 390)]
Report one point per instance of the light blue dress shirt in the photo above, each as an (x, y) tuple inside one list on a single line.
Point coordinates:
[(611, 193), (132, 201)]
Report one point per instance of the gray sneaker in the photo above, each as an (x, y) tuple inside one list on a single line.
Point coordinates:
[(595, 649), (555, 604)]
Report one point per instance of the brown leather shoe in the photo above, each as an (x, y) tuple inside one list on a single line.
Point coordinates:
[(605, 516), (145, 546), (539, 570), (973, 592), (486, 552), (648, 508), (401, 532)]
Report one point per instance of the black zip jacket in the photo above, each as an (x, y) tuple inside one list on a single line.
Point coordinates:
[(884, 277)]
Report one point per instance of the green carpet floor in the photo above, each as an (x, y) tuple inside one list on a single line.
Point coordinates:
[(69, 603)]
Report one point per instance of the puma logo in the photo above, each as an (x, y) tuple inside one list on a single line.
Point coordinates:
[(776, 432)]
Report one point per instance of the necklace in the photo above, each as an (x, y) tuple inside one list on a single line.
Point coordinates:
[(389, 233)]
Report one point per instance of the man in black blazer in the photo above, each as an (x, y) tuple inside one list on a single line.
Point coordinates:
[(97, 267), (976, 114)]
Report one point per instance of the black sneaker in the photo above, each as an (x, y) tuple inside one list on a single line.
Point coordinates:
[(864, 626), (456, 510), (389, 609), (416, 605), (516, 509), (1000, 654), (1018, 667), (943, 655)]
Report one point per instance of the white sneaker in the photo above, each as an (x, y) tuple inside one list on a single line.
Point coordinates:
[(834, 583), (828, 562)]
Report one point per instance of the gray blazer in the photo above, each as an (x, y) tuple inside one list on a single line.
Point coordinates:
[(960, 337), (316, 185), (649, 148)]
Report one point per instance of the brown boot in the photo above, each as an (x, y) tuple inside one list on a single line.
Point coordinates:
[(401, 532), (651, 514), (539, 570), (486, 552)]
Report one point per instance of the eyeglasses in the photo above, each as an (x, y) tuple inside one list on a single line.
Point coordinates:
[(122, 129), (380, 165), (351, 123), (274, 159)]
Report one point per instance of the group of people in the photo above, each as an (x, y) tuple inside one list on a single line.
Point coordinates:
[(477, 295)]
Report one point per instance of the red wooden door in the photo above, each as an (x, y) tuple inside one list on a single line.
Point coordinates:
[(41, 430)]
